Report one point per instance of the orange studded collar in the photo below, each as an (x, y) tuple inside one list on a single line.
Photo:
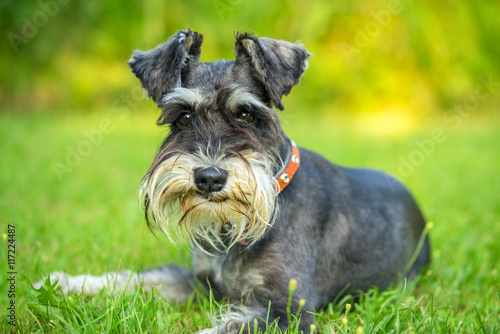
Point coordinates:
[(285, 177)]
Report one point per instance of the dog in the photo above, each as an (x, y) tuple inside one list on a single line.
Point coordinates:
[(261, 214)]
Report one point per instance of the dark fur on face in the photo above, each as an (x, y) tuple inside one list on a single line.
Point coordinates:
[(218, 112)]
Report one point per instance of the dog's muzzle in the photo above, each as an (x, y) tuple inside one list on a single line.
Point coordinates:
[(212, 199), (216, 199)]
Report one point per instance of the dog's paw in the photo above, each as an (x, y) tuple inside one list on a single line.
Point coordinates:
[(232, 327)]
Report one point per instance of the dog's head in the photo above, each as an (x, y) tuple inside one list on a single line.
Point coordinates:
[(215, 172)]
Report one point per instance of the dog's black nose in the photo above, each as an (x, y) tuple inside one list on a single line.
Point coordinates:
[(210, 179)]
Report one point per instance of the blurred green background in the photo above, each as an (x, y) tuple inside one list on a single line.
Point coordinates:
[(399, 59), (409, 87)]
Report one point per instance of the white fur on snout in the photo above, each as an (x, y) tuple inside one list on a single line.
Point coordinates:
[(244, 208)]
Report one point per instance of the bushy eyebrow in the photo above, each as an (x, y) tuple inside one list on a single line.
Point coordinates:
[(240, 96), (181, 95)]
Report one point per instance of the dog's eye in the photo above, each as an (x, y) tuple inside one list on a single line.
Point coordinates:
[(246, 116), (185, 119)]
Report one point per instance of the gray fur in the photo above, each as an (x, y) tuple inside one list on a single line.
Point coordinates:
[(335, 230), (160, 69), (277, 64)]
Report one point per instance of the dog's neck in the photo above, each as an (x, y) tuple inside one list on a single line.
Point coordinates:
[(289, 155)]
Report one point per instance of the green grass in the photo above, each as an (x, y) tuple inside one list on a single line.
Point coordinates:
[(88, 220)]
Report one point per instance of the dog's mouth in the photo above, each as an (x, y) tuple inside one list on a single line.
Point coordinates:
[(217, 197)]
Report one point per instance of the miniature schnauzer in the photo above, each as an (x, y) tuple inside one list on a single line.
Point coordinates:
[(259, 211)]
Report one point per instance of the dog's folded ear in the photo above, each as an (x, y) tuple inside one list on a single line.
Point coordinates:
[(160, 70), (277, 64)]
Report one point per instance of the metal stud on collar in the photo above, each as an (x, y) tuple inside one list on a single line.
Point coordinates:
[(285, 178)]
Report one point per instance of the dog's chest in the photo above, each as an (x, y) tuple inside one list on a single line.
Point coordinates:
[(232, 275)]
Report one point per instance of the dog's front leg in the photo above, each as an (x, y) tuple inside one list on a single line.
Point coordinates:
[(261, 289), (269, 311)]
